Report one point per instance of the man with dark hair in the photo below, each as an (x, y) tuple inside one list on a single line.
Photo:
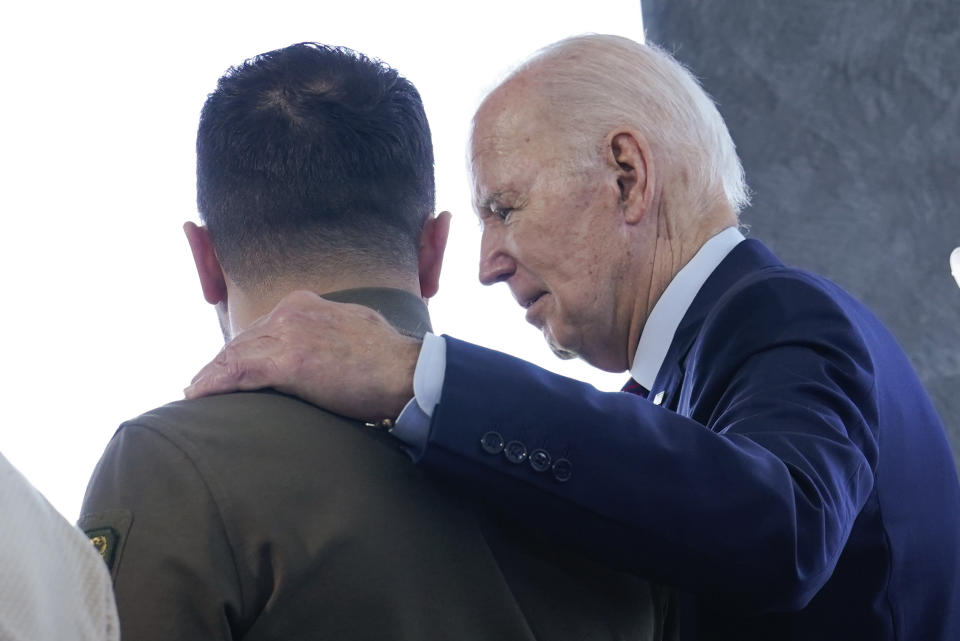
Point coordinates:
[(259, 516), (328, 167)]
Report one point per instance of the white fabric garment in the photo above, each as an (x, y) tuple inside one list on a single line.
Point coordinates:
[(53, 584)]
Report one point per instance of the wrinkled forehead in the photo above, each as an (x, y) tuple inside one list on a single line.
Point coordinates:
[(510, 139), (502, 119), (499, 164)]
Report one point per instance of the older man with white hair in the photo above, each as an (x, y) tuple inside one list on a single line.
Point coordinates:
[(787, 470)]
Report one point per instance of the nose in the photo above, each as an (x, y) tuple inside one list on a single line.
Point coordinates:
[(496, 264)]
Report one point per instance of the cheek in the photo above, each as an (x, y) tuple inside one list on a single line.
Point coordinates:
[(589, 299)]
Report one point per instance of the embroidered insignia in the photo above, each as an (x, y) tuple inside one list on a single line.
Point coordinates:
[(104, 541), (107, 532)]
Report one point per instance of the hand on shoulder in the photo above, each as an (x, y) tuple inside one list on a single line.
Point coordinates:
[(342, 357)]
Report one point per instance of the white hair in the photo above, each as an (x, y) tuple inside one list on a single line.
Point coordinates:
[(603, 82)]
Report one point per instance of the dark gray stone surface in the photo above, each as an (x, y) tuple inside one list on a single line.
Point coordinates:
[(847, 119)]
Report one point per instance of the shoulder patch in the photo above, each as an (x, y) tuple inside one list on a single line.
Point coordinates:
[(107, 532), (105, 542)]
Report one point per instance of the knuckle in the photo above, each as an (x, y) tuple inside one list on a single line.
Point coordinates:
[(228, 356), (299, 297), (236, 370), (292, 313), (222, 357)]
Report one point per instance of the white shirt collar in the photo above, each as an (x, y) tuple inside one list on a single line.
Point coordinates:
[(672, 305)]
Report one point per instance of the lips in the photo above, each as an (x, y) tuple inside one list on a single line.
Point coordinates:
[(528, 301), (534, 308)]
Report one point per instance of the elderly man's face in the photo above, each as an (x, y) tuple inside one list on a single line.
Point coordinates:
[(551, 231)]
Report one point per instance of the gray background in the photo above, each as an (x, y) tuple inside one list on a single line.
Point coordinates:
[(847, 119)]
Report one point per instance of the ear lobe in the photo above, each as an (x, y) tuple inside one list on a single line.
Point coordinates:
[(433, 242), (212, 281), (635, 176)]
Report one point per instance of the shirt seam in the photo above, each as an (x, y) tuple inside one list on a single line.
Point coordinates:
[(213, 498)]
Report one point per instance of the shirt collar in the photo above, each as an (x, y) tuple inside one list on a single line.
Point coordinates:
[(669, 310), (402, 309)]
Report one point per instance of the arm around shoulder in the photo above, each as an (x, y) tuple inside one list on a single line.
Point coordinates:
[(749, 489)]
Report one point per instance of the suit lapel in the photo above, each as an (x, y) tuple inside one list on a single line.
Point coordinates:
[(746, 258)]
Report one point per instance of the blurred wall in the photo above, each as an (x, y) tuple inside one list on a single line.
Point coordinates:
[(847, 119)]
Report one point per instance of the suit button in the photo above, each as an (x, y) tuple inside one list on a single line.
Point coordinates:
[(540, 460), (562, 470), (492, 443), (516, 452)]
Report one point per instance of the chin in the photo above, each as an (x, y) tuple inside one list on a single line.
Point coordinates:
[(601, 360), (562, 353), (559, 350)]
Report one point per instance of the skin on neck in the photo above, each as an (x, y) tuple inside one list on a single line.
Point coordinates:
[(669, 239), (246, 305), (238, 307)]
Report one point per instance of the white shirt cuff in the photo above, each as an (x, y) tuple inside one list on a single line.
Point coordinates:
[(413, 428), (428, 376), (413, 424)]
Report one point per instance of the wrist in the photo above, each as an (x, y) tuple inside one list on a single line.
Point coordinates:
[(401, 380)]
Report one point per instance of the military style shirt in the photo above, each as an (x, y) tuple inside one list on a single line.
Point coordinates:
[(259, 516)]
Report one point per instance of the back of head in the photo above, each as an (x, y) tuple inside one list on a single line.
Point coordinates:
[(605, 82), (311, 158)]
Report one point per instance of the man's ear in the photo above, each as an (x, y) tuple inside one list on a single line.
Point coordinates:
[(208, 265), (433, 242), (636, 178)]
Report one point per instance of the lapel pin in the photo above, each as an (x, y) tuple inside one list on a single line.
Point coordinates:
[(658, 398)]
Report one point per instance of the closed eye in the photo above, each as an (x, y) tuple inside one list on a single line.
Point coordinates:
[(492, 207)]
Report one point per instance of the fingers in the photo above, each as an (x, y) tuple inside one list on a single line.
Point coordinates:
[(263, 355), (222, 381), (248, 362), (208, 380), (343, 357), (234, 371)]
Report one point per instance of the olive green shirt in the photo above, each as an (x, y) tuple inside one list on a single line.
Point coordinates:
[(259, 516)]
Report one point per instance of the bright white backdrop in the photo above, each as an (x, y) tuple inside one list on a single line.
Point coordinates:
[(102, 318)]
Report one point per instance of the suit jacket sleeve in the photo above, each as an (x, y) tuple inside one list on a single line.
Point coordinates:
[(749, 492), (163, 537)]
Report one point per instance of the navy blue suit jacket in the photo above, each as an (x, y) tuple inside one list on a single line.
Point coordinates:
[(796, 480)]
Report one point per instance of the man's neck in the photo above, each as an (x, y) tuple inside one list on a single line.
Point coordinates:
[(672, 305), (675, 243)]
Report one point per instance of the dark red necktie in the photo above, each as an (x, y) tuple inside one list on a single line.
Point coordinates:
[(634, 387)]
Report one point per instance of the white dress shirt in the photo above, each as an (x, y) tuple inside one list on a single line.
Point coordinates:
[(672, 306), (53, 584), (413, 424)]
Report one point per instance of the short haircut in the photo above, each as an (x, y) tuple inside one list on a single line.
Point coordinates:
[(606, 81), (312, 157)]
